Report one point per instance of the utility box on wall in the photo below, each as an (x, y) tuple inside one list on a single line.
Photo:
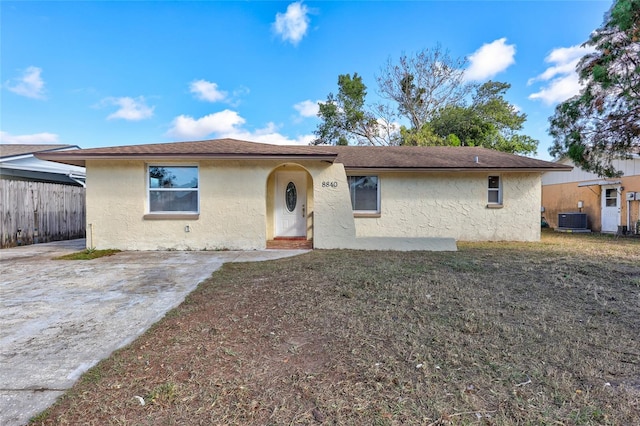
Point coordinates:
[(631, 196)]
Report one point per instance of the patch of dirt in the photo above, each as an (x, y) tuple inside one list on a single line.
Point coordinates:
[(497, 333)]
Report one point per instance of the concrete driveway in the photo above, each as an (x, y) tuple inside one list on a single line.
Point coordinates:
[(59, 318)]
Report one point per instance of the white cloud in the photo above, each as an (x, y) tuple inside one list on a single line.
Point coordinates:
[(241, 91), (558, 90), (132, 109), (36, 138), (307, 108), (228, 124), (218, 123), (560, 79), (293, 24), (269, 134), (30, 84), (207, 91), (491, 59)]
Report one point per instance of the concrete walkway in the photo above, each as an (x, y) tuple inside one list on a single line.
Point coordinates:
[(60, 318)]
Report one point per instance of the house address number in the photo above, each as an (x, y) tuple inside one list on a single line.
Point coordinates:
[(329, 184)]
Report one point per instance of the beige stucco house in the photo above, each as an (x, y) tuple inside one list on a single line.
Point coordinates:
[(607, 203), (238, 195)]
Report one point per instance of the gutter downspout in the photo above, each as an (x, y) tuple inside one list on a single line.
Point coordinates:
[(82, 183)]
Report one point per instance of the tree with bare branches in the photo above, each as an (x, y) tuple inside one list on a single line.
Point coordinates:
[(424, 83)]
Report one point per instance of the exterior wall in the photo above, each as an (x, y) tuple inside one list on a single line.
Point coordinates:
[(455, 205), (627, 167), (561, 193), (270, 212), (310, 208), (232, 208), (236, 208), (632, 217), (333, 223), (631, 183), (564, 197)]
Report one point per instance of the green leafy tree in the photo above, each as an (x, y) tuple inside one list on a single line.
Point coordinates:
[(602, 123), (423, 136), (462, 122), (490, 121), (345, 118), (429, 92)]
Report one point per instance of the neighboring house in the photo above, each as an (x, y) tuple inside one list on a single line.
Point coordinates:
[(608, 203), (231, 194), (18, 162), (40, 200)]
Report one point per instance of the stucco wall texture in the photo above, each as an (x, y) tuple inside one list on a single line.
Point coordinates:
[(235, 207), (236, 211), (455, 205)]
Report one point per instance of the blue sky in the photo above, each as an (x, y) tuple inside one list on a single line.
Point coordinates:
[(119, 73)]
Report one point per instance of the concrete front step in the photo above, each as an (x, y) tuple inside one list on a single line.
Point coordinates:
[(290, 244)]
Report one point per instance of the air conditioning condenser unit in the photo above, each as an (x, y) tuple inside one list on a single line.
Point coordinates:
[(572, 220)]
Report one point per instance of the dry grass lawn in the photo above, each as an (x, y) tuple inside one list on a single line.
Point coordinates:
[(496, 334)]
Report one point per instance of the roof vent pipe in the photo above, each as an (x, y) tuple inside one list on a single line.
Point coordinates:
[(476, 159)]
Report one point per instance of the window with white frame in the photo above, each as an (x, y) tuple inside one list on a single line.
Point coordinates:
[(611, 197), (494, 190), (365, 194), (173, 189)]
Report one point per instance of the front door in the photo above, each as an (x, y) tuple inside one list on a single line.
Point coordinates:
[(290, 204), (610, 209)]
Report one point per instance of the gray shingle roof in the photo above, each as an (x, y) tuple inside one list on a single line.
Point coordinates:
[(353, 157), (14, 150), (436, 157)]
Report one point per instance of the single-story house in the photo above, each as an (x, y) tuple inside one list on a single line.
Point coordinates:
[(238, 195), (40, 200), (607, 203)]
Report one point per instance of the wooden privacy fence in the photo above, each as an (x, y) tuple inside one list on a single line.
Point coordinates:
[(38, 212)]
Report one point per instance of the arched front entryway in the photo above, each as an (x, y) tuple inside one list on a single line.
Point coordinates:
[(290, 207)]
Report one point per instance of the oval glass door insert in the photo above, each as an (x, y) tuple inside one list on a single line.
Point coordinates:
[(291, 197)]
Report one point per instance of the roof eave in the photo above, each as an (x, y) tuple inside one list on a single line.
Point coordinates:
[(601, 182), (458, 169), (22, 155), (72, 161), (81, 160)]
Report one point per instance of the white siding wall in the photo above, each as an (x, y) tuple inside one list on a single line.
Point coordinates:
[(628, 167)]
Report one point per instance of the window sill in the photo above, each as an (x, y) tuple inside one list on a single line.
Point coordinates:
[(171, 216), (373, 215), (495, 206)]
